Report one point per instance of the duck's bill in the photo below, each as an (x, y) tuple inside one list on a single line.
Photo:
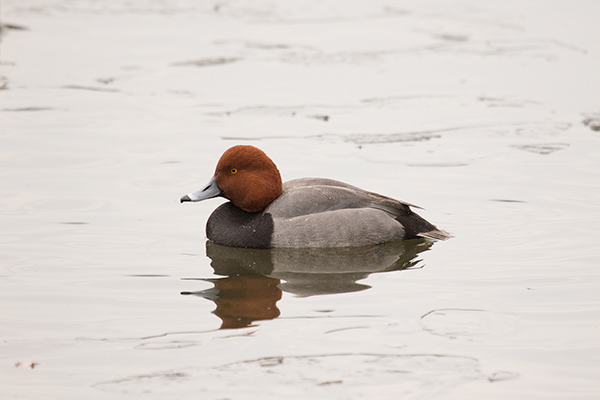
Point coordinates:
[(210, 190)]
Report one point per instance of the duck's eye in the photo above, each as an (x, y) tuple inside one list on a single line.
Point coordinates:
[(233, 170)]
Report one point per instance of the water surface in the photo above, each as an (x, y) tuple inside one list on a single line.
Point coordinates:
[(487, 115)]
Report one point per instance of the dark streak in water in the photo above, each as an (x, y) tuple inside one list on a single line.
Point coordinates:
[(439, 164), (543, 148), (206, 62), (415, 136), (14, 27), (92, 88), (319, 117), (508, 201), (375, 138), (19, 109), (327, 383), (276, 360), (357, 138), (387, 99), (593, 122)]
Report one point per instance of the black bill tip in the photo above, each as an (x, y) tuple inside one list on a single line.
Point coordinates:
[(185, 198)]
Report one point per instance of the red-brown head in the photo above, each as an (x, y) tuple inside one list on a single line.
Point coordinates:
[(246, 176)]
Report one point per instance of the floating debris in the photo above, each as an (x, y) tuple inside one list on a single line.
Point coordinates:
[(31, 365)]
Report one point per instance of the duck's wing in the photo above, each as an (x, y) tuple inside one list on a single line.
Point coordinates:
[(309, 196), (332, 183), (315, 195), (413, 223)]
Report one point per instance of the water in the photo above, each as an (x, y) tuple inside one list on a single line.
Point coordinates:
[(485, 114)]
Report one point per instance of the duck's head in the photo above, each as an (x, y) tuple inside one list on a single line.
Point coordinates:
[(246, 176)]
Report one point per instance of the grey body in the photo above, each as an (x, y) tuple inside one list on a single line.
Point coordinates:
[(325, 213), (316, 212)]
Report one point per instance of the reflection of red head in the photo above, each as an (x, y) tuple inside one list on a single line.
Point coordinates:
[(244, 299)]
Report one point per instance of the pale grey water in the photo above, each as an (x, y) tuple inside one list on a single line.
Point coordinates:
[(485, 113)]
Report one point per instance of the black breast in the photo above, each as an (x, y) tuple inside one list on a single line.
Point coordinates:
[(229, 225)]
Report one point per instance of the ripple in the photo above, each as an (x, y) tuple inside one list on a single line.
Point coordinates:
[(466, 324), (365, 374), (542, 148)]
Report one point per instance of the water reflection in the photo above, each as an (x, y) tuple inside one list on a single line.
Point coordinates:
[(254, 278)]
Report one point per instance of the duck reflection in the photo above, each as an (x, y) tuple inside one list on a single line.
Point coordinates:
[(252, 282)]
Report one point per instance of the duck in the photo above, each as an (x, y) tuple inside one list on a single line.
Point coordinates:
[(264, 213)]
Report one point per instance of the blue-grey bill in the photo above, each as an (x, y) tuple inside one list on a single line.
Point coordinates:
[(210, 190)]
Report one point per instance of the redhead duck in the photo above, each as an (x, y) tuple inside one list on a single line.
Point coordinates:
[(309, 212)]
